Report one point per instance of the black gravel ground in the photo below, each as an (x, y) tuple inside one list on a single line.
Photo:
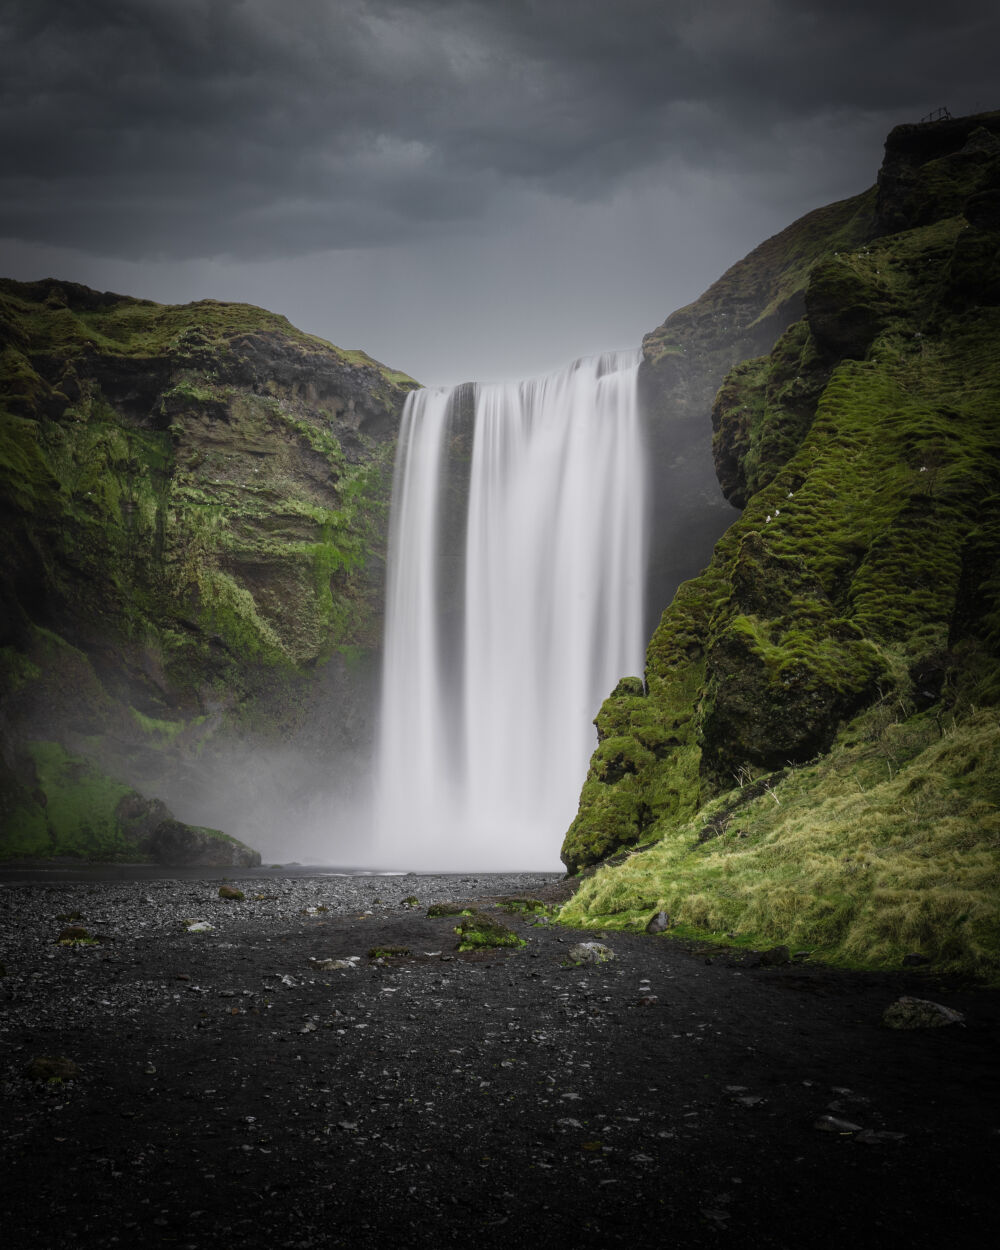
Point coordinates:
[(232, 1094)]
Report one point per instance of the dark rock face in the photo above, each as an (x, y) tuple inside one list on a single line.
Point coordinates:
[(195, 509), (179, 845), (775, 694), (929, 170)]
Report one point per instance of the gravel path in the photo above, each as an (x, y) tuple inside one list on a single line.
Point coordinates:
[(231, 1092)]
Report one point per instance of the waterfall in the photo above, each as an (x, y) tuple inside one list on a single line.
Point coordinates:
[(516, 570)]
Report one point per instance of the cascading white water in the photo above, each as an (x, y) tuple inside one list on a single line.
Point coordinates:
[(495, 669)]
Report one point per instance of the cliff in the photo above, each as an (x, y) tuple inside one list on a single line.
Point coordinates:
[(812, 755), (194, 508)]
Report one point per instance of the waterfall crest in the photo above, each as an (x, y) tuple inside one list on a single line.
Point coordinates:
[(516, 569)]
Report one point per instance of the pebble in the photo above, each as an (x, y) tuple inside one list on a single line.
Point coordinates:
[(831, 1124)]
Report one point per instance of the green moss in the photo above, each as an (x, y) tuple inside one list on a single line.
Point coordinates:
[(115, 325), (523, 906), (481, 932), (158, 730), (437, 910), (76, 808)]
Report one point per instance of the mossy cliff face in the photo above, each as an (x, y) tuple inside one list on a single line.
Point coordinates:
[(685, 360), (848, 621), (194, 504)]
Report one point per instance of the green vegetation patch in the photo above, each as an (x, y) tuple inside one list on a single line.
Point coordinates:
[(883, 848), (437, 910), (75, 811), (482, 932), (522, 906)]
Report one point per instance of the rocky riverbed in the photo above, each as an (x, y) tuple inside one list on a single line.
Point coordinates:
[(228, 1084)]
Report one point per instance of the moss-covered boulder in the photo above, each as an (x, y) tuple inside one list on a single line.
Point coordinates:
[(480, 931)]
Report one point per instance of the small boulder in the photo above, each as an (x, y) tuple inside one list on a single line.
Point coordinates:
[(919, 1013), (231, 893), (776, 956), (51, 1068), (73, 933), (915, 960), (831, 1124), (660, 923), (178, 845), (591, 953)]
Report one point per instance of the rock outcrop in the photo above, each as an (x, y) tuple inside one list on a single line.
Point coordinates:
[(194, 505), (850, 619)]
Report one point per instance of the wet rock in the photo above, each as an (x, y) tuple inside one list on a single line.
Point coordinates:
[(919, 1013), (179, 845), (231, 893), (915, 960), (51, 1068), (73, 933), (774, 957), (336, 965), (590, 953), (659, 923), (831, 1124)]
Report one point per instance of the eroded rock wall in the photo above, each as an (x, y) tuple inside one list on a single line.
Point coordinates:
[(194, 504)]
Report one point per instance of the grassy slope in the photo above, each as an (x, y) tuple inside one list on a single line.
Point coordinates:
[(864, 569)]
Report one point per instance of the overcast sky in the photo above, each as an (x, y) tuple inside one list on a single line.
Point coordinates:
[(467, 189)]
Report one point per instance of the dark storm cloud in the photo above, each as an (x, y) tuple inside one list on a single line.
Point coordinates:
[(187, 128)]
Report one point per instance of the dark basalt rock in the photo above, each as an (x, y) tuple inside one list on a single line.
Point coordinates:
[(180, 846)]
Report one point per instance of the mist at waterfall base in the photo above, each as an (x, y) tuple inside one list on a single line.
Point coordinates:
[(515, 604)]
